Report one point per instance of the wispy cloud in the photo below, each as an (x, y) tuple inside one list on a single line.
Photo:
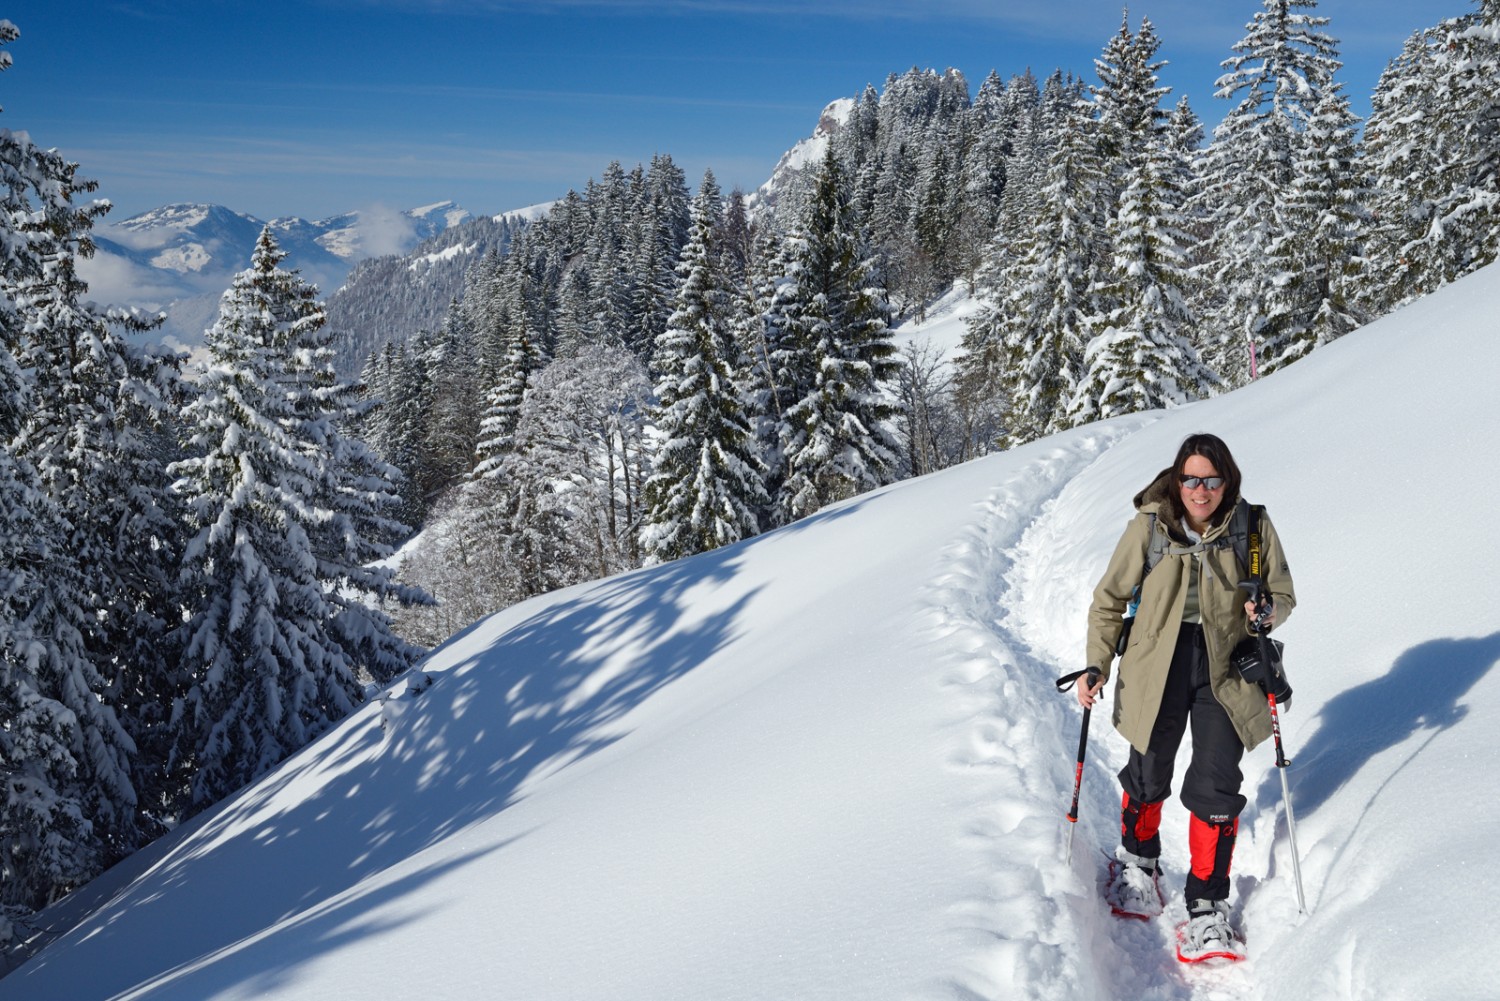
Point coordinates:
[(285, 92), (277, 176), (1194, 23), (991, 11), (224, 155)]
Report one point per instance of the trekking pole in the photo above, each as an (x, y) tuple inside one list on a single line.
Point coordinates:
[(1269, 658), (1286, 797), (1063, 684)]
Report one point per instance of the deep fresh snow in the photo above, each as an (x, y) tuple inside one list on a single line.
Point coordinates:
[(830, 762)]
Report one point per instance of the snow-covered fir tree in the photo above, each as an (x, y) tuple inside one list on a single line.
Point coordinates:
[(100, 434), (1184, 130), (67, 800), (1319, 253), (706, 487), (611, 283), (659, 229), (1025, 164), (395, 383), (1432, 147), (356, 500), (750, 322), (1467, 218), (1279, 73), (832, 358), (1037, 323), (453, 402), (268, 492), (1127, 101), (990, 129), (1140, 354), (517, 354)]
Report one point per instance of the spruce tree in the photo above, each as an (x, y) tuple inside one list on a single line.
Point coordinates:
[(67, 799), (705, 488), (662, 221), (1279, 73), (100, 436), (992, 123), (1404, 154), (268, 673), (396, 388), (519, 355), (356, 503), (1042, 322), (1320, 251), (1433, 149), (452, 402), (611, 290), (832, 358), (1140, 354)]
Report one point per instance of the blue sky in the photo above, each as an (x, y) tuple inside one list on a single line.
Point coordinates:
[(319, 107)]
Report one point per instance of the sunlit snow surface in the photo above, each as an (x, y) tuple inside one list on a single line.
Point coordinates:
[(830, 763)]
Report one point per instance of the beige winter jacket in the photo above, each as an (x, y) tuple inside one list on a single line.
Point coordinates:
[(1143, 668)]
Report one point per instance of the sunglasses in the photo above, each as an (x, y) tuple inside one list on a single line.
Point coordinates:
[(1211, 482)]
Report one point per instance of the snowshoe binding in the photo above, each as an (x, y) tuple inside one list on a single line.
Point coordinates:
[(1208, 935), (1134, 887)]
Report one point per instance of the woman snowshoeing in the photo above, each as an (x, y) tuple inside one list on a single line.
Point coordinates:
[(1175, 675)]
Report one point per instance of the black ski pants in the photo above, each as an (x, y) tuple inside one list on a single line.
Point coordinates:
[(1211, 787)]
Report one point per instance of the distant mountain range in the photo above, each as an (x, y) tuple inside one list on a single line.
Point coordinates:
[(384, 274), (181, 258)]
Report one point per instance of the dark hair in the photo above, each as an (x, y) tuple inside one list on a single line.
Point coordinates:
[(1212, 448)]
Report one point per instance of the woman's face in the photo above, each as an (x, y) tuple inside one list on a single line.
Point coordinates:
[(1199, 501)]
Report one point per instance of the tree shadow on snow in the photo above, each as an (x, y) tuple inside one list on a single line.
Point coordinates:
[(1421, 691), (547, 693)]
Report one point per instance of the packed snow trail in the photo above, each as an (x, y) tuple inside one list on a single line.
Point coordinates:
[(1011, 730)]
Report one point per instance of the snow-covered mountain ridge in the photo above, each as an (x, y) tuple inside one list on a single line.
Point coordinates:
[(192, 237), (180, 258), (829, 762), (804, 155)]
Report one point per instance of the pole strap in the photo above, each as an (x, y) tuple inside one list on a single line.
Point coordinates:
[(1067, 681)]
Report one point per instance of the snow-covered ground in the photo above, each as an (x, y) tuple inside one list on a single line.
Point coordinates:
[(831, 763), (942, 329)]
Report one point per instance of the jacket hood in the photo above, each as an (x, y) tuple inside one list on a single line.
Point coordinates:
[(1154, 498)]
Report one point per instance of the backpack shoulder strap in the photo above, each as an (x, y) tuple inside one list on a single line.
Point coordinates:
[(1250, 555), (1244, 523), (1156, 546)]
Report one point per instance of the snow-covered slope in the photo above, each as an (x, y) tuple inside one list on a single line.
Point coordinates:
[(830, 762), (941, 331)]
